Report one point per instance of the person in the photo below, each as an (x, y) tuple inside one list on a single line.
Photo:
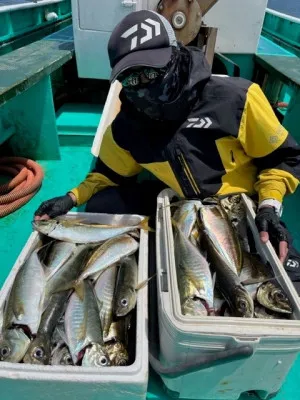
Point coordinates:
[(199, 134)]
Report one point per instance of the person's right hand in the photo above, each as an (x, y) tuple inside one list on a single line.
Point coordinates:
[(54, 207)]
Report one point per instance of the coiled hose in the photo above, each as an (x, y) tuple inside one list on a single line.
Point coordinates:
[(26, 182)]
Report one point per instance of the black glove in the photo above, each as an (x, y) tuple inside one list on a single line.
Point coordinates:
[(269, 227), (55, 207)]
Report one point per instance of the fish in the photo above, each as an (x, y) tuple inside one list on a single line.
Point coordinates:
[(126, 288), (118, 331), (82, 323), (237, 214), (13, 345), (96, 356), (254, 270), (108, 254), (61, 356), (271, 296), (196, 236), (117, 353), (104, 291), (262, 312), (192, 263), (39, 351), (189, 296), (24, 309), (194, 308), (57, 256), (219, 304), (252, 289), (186, 215), (226, 257), (66, 276), (78, 232)]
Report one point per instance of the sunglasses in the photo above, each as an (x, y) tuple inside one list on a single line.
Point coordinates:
[(134, 79)]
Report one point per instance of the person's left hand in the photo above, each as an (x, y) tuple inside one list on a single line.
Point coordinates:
[(268, 224)]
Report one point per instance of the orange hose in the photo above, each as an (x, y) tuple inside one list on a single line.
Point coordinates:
[(26, 182)]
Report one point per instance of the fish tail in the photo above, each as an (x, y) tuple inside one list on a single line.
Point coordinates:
[(142, 284), (145, 225), (79, 289)]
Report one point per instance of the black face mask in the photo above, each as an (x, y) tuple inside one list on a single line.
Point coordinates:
[(165, 97)]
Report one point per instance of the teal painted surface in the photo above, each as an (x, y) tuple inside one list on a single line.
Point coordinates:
[(267, 47), (31, 117), (288, 31), (32, 36), (26, 66), (60, 176), (245, 62), (79, 119), (15, 23)]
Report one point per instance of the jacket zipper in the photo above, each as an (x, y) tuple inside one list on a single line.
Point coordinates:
[(188, 173)]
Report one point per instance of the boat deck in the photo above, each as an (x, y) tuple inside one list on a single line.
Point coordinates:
[(75, 125)]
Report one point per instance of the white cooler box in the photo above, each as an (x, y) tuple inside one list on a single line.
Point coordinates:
[(31, 382), (270, 347)]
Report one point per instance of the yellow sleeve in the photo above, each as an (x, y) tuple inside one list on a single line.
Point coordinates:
[(275, 152), (114, 167)]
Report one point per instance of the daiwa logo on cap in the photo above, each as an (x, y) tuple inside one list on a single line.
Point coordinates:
[(149, 31)]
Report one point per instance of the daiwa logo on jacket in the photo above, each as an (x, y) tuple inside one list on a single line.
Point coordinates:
[(149, 31)]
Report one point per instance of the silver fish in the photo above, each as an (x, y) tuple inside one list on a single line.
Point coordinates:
[(253, 270), (271, 296), (96, 356), (82, 322), (235, 208), (61, 356), (39, 351), (194, 266), (13, 345), (58, 255), (127, 282), (118, 331), (117, 353), (186, 215), (104, 290), (262, 312), (77, 232), (22, 307), (226, 256), (66, 276), (109, 253), (194, 308)]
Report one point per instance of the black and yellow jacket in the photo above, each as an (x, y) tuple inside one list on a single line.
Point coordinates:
[(230, 142)]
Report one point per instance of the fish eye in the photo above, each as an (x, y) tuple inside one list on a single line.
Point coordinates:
[(103, 361), (68, 359), (5, 351), (39, 353), (124, 302), (279, 296), (243, 305)]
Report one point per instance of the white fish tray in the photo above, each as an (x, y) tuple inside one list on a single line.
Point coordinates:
[(30, 382), (275, 343)]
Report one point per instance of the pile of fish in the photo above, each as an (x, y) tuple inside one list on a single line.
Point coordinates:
[(217, 272), (73, 300)]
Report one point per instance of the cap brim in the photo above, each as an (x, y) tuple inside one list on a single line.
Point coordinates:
[(156, 58)]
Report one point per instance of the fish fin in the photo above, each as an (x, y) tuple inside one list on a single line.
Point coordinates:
[(79, 289), (145, 225), (253, 281), (182, 218), (144, 283), (214, 278), (65, 287)]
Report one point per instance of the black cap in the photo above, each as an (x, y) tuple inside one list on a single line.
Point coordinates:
[(142, 38)]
